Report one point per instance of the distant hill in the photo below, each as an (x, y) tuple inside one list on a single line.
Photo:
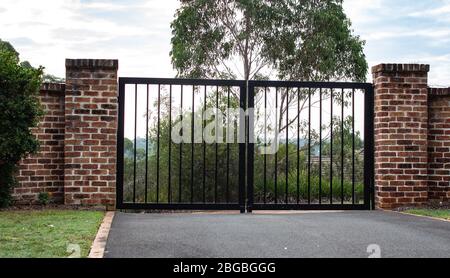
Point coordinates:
[(301, 143), (140, 144)]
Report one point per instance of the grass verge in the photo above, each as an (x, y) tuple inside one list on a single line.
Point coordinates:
[(437, 213), (47, 233)]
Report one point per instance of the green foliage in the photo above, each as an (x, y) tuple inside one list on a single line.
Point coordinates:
[(298, 40), (313, 188), (347, 148), (7, 47), (20, 110), (7, 182), (318, 184), (44, 198), (49, 78)]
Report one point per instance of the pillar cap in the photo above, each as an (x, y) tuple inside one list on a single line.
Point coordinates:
[(53, 87), (439, 91), (107, 64), (423, 68)]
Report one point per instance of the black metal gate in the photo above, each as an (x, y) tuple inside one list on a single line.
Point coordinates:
[(323, 161), (329, 167)]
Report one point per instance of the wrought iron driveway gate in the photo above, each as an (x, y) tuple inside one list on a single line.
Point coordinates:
[(281, 145)]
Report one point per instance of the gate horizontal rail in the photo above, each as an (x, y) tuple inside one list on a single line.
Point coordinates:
[(180, 81), (312, 85)]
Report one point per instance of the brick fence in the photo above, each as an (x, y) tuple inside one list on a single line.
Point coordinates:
[(412, 137), (44, 172), (77, 160)]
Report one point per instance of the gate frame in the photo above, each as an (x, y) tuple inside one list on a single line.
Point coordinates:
[(246, 150), (369, 179), (120, 204)]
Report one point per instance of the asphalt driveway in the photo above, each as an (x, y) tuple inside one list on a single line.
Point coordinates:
[(302, 235)]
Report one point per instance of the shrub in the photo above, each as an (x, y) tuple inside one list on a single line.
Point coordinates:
[(20, 110), (7, 182), (44, 198), (316, 192)]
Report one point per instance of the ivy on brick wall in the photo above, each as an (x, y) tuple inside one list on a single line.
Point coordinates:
[(20, 111)]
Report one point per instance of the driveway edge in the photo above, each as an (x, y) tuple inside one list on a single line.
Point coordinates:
[(98, 246)]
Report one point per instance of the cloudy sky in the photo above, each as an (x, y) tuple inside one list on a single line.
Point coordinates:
[(137, 32)]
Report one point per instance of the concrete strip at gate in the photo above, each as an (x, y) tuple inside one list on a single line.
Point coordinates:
[(266, 212), (99, 244)]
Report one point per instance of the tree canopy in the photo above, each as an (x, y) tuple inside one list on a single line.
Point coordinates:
[(260, 39)]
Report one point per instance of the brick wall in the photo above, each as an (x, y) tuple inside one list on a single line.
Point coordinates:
[(401, 125), (44, 172), (439, 145), (90, 133)]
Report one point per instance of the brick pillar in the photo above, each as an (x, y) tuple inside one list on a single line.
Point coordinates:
[(90, 132), (401, 119)]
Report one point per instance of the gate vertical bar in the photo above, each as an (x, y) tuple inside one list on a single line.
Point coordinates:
[(192, 144), (286, 200), (331, 147), (265, 144), (227, 191), (216, 179), (120, 145), (372, 144), (320, 146), (250, 146), (158, 143), (298, 145), (169, 192), (342, 146), (309, 139), (276, 142), (369, 196), (353, 146), (181, 150), (146, 149), (242, 148), (135, 143), (204, 150)]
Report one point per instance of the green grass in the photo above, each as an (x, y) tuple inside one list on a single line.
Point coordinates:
[(438, 213), (46, 234)]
